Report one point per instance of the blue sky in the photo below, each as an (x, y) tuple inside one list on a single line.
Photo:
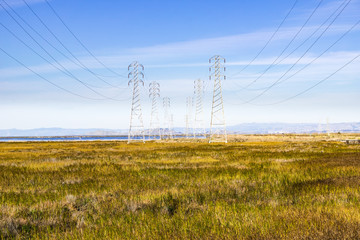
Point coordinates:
[(174, 40)]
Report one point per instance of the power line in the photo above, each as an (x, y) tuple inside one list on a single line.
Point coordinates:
[(105, 97), (317, 39), (308, 89), (62, 69), (313, 86), (77, 62), (80, 42), (287, 46), (333, 44), (29, 47), (45, 79), (300, 45), (268, 42)]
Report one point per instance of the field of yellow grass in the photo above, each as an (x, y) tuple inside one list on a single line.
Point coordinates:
[(254, 187)]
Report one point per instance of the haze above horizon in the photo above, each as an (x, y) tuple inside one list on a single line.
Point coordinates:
[(287, 61)]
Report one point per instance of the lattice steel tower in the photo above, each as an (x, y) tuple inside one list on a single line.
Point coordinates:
[(154, 94), (188, 118), (136, 130), (167, 118), (218, 124), (199, 129)]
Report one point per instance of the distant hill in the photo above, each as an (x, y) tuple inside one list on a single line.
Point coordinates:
[(245, 128), (263, 128)]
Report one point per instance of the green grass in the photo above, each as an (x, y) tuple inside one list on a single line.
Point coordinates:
[(279, 188)]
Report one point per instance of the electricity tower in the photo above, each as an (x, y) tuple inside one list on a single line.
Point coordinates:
[(218, 124), (154, 94), (199, 129), (188, 118), (168, 118), (136, 130)]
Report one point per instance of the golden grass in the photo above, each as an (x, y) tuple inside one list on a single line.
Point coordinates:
[(255, 187)]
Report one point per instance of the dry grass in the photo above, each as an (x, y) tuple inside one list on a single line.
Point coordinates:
[(255, 187)]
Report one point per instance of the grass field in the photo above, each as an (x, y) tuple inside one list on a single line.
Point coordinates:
[(255, 187)]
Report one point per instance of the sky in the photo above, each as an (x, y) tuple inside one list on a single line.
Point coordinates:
[(286, 61)]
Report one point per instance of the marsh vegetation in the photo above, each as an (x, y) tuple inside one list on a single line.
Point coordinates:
[(267, 187)]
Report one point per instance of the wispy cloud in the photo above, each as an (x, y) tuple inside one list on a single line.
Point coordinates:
[(319, 70), (231, 46), (227, 44), (329, 58)]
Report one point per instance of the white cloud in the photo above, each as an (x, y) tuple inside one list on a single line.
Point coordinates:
[(202, 48)]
